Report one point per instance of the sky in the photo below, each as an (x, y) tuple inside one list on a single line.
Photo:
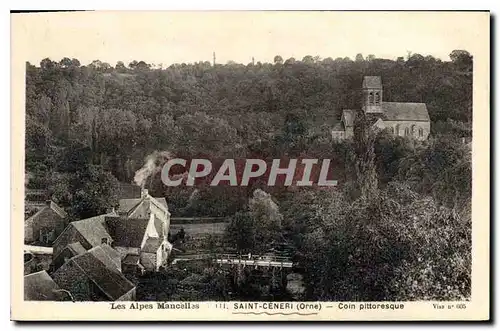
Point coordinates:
[(177, 37)]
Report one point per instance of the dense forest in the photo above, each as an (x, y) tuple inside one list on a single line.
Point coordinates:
[(396, 227)]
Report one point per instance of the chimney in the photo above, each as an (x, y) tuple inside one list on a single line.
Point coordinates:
[(144, 192)]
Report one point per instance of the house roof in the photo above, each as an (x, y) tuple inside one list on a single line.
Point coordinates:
[(152, 244), (405, 111), (76, 248), (127, 206), (40, 286), (109, 280), (48, 205), (107, 255), (127, 232), (93, 229), (131, 259), (372, 82)]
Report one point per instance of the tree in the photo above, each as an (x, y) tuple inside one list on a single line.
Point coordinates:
[(290, 61), (141, 65), (65, 62), (267, 219), (462, 59), (359, 57), (308, 59), (241, 232), (257, 229), (443, 170), (328, 61), (415, 60), (47, 64), (133, 64), (120, 66), (278, 59), (94, 192), (363, 157), (355, 248)]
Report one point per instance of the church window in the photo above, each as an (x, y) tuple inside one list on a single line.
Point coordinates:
[(413, 130), (397, 129), (104, 241), (391, 130), (407, 132), (420, 132), (377, 98), (370, 100)]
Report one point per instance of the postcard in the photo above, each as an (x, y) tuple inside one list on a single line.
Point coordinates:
[(250, 166)]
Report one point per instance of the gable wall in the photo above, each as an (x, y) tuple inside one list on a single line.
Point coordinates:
[(46, 220), (69, 235)]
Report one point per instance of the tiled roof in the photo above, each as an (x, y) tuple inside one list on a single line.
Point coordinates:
[(372, 82), (40, 286), (131, 259), (152, 245), (127, 232), (109, 280), (76, 248), (405, 111), (126, 206), (107, 255), (49, 204), (93, 229)]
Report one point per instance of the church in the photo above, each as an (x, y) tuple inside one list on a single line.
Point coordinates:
[(407, 119)]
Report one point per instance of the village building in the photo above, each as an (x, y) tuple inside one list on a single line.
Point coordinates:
[(408, 119), (37, 258), (139, 230), (39, 286), (95, 276), (45, 225)]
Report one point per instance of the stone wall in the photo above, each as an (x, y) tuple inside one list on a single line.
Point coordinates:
[(46, 221), (415, 125)]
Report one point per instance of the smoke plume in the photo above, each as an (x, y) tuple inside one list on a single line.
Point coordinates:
[(153, 164)]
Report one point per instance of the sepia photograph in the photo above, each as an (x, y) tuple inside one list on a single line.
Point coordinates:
[(242, 159)]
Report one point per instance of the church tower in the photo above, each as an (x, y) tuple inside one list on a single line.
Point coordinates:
[(372, 95)]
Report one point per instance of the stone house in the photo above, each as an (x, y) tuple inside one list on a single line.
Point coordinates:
[(140, 237), (140, 228), (45, 225), (408, 119), (154, 253)]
